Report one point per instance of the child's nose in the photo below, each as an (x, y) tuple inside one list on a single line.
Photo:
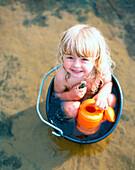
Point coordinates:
[(77, 63)]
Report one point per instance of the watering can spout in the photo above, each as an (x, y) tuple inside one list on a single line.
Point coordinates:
[(110, 114)]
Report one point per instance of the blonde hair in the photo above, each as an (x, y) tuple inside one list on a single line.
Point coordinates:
[(86, 41)]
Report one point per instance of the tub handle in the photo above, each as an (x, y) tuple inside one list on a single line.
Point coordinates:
[(59, 131)]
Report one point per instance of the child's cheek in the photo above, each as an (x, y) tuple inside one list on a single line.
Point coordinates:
[(67, 65), (88, 68)]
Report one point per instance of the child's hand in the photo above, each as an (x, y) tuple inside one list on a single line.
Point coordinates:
[(77, 94), (101, 102)]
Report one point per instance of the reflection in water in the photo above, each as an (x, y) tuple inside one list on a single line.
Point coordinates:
[(73, 149), (29, 37)]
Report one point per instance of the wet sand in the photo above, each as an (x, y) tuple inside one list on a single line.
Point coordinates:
[(27, 51)]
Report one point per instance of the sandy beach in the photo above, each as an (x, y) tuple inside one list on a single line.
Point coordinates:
[(29, 36)]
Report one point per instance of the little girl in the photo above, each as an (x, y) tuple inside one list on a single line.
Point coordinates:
[(85, 56)]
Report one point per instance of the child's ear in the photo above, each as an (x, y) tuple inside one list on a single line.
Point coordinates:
[(95, 62)]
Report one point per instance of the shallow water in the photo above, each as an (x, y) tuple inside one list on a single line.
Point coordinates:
[(29, 35)]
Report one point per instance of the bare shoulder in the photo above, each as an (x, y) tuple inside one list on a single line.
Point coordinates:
[(59, 85)]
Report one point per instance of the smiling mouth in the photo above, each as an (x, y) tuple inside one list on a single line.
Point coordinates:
[(76, 71)]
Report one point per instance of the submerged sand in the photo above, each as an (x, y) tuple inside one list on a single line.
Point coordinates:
[(27, 52)]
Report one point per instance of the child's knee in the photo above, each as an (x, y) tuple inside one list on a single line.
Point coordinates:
[(71, 108), (112, 100)]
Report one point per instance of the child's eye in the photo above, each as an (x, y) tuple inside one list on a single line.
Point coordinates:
[(69, 57), (85, 59)]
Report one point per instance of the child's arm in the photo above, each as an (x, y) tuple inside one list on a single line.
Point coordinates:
[(60, 87), (73, 94), (102, 96)]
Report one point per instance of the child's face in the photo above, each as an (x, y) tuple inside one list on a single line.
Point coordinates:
[(78, 66)]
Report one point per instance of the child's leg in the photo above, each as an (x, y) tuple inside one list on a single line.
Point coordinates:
[(111, 100), (71, 108)]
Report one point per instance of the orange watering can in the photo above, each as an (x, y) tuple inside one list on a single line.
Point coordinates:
[(90, 117)]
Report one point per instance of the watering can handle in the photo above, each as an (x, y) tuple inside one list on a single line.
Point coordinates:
[(60, 132)]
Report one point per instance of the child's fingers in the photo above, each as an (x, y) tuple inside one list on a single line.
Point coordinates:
[(97, 102), (83, 90), (102, 105)]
